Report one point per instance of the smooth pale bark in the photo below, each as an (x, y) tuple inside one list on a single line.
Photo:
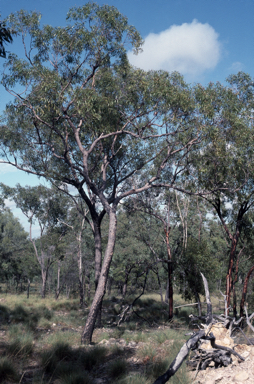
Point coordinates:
[(101, 287), (98, 253), (80, 265), (44, 275), (58, 289)]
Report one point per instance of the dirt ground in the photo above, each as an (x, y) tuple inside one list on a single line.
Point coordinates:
[(242, 372), (237, 372)]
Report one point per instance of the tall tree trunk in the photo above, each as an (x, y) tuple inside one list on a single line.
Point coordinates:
[(88, 286), (167, 293), (159, 283), (234, 241), (58, 279), (170, 270), (97, 265), (229, 281), (80, 265), (80, 273), (245, 286), (28, 288), (197, 297), (44, 282), (110, 281), (101, 287), (98, 253), (234, 283), (127, 274), (68, 289)]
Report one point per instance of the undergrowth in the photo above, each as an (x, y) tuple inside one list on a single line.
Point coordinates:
[(48, 332)]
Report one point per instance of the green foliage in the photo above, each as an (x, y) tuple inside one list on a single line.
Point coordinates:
[(196, 258), (5, 37), (15, 251)]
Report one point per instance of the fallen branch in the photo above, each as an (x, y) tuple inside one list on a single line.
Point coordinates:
[(183, 353), (248, 318), (220, 355), (186, 305)]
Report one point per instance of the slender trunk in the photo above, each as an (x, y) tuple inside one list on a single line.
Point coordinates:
[(110, 280), (229, 281), (28, 288), (58, 279), (88, 286), (127, 274), (98, 253), (170, 270), (68, 289), (80, 265), (199, 304), (80, 273), (44, 282), (234, 241), (234, 283), (200, 223), (125, 288), (167, 293), (101, 287), (245, 286), (159, 283), (97, 265)]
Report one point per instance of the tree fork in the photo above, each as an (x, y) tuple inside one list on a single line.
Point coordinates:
[(101, 287)]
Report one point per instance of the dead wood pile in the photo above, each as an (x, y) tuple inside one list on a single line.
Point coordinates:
[(210, 346)]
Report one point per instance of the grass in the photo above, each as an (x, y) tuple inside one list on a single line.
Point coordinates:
[(48, 333), (117, 368), (8, 372)]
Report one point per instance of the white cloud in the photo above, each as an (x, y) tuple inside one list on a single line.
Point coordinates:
[(10, 204), (237, 66), (190, 48), (6, 168)]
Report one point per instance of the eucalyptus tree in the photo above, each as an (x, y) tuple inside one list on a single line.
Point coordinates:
[(82, 116), (45, 207), (130, 253), (159, 207), (76, 221), (15, 254), (5, 37), (221, 168)]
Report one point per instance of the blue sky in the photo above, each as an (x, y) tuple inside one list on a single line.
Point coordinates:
[(205, 40)]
